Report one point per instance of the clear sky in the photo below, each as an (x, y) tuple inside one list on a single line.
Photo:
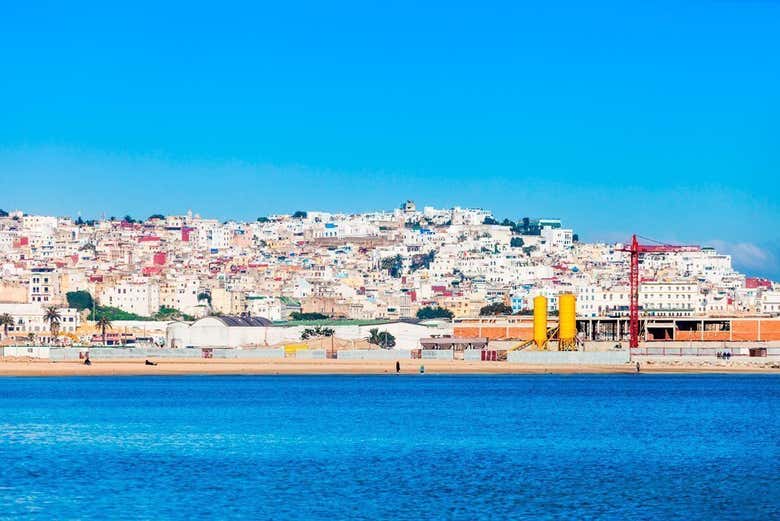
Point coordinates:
[(660, 118)]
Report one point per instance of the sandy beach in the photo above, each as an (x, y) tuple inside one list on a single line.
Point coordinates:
[(20, 367)]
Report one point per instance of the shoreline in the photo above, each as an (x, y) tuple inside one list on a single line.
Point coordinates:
[(199, 367)]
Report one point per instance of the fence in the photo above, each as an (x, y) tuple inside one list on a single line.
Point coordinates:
[(249, 353), (374, 354), (25, 351), (436, 354), (311, 354), (480, 355), (569, 357), (698, 351)]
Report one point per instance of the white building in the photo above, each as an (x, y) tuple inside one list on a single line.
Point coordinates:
[(29, 318), (139, 297)]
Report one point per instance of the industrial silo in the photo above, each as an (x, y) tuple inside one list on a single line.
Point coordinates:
[(540, 321), (567, 322)]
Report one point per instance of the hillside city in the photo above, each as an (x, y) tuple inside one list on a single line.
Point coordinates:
[(386, 265)]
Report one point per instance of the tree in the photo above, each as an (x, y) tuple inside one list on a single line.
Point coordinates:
[(575, 238), (517, 242), (103, 323), (79, 221), (308, 316), (3, 213), (79, 300), (428, 312), (317, 331), (394, 265), (497, 308), (384, 339), (422, 261), (263, 219), (6, 320), (489, 220), (300, 214), (204, 295), (169, 313), (158, 216), (52, 316)]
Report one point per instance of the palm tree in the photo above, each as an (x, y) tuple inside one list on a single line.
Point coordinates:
[(374, 338), (5, 321), (103, 323), (52, 316)]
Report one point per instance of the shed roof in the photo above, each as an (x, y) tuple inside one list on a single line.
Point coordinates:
[(247, 321)]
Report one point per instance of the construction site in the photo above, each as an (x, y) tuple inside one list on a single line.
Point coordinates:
[(635, 334)]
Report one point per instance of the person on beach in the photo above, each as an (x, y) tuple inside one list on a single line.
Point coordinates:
[(397, 367), (87, 361), (637, 368), (147, 362)]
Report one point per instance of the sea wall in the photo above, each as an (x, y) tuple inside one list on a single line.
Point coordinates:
[(569, 357)]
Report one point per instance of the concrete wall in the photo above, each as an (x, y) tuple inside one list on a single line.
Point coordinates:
[(374, 354), (25, 351), (108, 353), (569, 357), (310, 354), (436, 354), (249, 353), (70, 354), (472, 355)]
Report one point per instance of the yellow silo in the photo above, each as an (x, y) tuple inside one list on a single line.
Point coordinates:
[(540, 321), (567, 322)]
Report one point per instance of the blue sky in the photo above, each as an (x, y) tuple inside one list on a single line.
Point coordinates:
[(659, 118)]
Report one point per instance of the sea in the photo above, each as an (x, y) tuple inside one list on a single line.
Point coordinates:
[(649, 447)]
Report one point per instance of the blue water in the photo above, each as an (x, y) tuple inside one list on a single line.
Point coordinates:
[(408, 447)]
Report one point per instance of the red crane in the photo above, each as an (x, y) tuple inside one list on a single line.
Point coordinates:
[(635, 250)]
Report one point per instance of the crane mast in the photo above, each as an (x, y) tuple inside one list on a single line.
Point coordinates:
[(635, 250)]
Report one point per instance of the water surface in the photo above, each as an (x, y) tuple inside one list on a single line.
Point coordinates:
[(404, 447)]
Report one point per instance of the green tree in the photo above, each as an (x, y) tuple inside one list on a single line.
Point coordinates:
[(52, 316), (3, 213), (316, 332), (383, 339), (263, 219), (159, 216), (422, 261), (394, 265), (428, 312), (79, 300), (308, 316), (103, 323), (517, 242), (113, 313), (169, 313), (489, 220), (497, 308), (300, 214), (6, 320)]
